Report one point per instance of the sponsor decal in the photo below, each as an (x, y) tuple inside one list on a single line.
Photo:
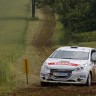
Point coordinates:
[(63, 63)]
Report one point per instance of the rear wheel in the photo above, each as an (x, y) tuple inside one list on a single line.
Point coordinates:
[(89, 80)]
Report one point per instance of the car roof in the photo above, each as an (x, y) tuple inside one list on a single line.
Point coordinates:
[(75, 48)]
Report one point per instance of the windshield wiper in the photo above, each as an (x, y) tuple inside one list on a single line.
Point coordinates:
[(67, 58), (70, 58)]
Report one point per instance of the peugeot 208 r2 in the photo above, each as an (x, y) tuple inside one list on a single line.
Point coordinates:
[(74, 65)]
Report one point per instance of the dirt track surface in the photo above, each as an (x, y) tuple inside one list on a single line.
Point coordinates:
[(65, 90), (41, 43)]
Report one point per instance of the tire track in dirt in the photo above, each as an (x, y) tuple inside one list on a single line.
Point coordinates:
[(44, 36), (43, 40)]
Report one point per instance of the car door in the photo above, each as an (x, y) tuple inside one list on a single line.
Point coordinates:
[(93, 59)]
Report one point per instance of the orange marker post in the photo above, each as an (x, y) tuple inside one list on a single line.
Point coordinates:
[(26, 69)]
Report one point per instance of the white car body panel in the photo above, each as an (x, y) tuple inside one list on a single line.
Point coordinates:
[(56, 70)]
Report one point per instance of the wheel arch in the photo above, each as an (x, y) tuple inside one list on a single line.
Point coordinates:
[(91, 74)]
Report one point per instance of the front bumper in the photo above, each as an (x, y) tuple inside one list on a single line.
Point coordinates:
[(79, 77), (63, 82)]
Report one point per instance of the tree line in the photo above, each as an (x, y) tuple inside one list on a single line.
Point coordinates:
[(77, 16)]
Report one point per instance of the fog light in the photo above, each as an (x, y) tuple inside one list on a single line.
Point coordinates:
[(82, 76), (43, 78), (79, 79)]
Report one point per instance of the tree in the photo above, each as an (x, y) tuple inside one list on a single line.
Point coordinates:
[(33, 8), (77, 16), (46, 2)]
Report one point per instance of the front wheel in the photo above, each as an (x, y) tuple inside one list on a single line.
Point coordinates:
[(89, 80), (44, 84)]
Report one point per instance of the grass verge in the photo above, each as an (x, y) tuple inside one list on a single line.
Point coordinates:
[(13, 27)]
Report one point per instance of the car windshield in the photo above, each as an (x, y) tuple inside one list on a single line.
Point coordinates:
[(63, 54)]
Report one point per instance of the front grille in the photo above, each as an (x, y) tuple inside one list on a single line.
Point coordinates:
[(60, 74)]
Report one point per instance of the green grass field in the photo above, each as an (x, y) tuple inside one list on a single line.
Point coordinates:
[(12, 8), (13, 27), (58, 34)]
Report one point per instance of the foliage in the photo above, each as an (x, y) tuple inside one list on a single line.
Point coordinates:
[(87, 36), (77, 16), (46, 2)]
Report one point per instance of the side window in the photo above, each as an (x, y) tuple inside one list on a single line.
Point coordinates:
[(93, 56)]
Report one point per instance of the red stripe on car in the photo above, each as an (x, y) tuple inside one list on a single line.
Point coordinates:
[(63, 63)]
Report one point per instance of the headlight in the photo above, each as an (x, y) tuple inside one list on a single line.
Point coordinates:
[(45, 66), (80, 68)]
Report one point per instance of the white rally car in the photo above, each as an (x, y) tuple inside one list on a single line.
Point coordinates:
[(73, 65)]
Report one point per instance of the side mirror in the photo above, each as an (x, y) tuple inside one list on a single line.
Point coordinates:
[(93, 58)]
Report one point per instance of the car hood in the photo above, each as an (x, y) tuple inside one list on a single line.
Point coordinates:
[(54, 63)]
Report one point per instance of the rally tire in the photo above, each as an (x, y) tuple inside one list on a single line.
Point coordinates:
[(44, 84), (89, 80)]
